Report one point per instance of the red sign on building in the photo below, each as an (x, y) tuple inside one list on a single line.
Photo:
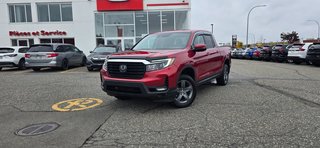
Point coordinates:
[(119, 5)]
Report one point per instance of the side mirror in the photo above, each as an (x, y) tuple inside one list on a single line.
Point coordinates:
[(200, 47), (91, 51)]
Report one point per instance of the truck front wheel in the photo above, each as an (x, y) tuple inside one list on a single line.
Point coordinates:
[(187, 92)]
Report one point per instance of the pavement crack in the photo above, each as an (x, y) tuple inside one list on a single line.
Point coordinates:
[(99, 127), (292, 96)]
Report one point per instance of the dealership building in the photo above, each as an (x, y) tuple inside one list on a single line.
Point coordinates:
[(88, 23)]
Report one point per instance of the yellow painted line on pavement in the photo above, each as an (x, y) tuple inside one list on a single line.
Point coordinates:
[(76, 104)]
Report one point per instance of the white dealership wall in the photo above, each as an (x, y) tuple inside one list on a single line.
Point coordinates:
[(82, 28)]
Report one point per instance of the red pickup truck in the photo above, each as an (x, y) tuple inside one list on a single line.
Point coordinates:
[(167, 66)]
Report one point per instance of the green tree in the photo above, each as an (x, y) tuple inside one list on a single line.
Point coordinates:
[(290, 37)]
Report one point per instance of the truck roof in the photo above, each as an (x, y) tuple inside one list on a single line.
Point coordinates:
[(191, 31)]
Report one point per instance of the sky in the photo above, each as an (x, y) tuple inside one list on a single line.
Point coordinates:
[(266, 23)]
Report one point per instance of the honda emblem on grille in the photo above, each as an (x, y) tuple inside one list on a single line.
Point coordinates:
[(123, 68)]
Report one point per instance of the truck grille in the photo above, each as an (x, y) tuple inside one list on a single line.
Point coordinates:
[(133, 70)]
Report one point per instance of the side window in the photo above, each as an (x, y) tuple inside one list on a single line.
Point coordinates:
[(209, 41), (60, 49), (23, 50), (75, 49), (68, 48), (198, 40)]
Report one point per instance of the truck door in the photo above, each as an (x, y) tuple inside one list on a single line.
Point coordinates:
[(214, 55), (202, 60)]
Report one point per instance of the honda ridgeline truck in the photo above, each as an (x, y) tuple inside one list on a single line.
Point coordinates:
[(167, 66)]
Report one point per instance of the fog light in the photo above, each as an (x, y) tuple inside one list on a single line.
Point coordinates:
[(161, 89)]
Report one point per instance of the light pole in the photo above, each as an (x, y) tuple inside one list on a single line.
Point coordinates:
[(248, 21), (318, 26), (212, 28)]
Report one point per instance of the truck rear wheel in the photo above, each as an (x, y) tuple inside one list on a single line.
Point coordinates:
[(223, 79), (186, 92)]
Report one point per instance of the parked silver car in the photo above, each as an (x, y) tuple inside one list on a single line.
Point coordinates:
[(54, 56)]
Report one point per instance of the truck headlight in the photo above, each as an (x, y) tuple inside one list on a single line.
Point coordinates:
[(105, 64), (159, 64)]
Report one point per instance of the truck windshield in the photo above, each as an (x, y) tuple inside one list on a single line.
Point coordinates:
[(106, 49), (164, 41)]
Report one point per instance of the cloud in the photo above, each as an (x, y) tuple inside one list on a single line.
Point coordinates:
[(229, 17)]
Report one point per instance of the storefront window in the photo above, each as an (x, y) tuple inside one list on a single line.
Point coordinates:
[(141, 23), (58, 40), (167, 21), (118, 18), (181, 20), (120, 31), (22, 42), (154, 22), (99, 24), (100, 41)]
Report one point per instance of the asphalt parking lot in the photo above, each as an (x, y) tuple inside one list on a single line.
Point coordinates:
[(265, 105)]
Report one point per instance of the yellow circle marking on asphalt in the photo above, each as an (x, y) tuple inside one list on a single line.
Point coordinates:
[(76, 104)]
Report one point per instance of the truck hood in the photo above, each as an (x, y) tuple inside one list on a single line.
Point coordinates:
[(151, 54)]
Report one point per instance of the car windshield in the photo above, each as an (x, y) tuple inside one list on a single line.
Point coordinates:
[(41, 48), (164, 41), (317, 46), (105, 49), (297, 45), (6, 50)]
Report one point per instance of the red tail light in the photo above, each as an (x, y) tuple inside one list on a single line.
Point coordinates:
[(281, 50), (301, 49), (27, 55), (52, 55)]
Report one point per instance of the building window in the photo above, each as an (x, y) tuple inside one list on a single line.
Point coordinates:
[(20, 13), (54, 12), (22, 42), (167, 20), (141, 24), (57, 40), (154, 22), (181, 20)]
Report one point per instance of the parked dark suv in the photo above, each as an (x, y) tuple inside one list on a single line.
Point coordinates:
[(97, 57), (280, 53), (266, 53), (313, 54)]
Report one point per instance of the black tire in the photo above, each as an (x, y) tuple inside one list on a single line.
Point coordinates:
[(308, 62), (84, 61), (22, 64), (36, 69), (187, 92), (297, 62), (223, 79), (65, 64), (316, 64), (90, 68), (0, 68)]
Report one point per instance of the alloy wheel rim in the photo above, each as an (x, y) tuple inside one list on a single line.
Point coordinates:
[(226, 75), (185, 90)]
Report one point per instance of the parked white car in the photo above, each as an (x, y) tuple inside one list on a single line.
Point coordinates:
[(13, 57), (298, 53)]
